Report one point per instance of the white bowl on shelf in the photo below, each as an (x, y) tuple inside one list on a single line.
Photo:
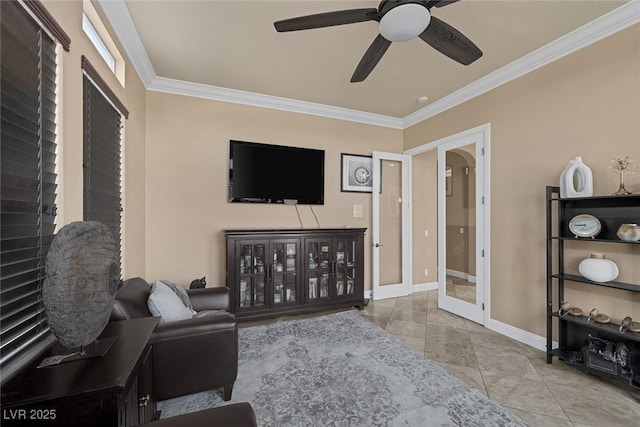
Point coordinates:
[(598, 268)]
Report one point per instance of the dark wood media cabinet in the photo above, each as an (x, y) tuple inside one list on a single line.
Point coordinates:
[(113, 390), (288, 271)]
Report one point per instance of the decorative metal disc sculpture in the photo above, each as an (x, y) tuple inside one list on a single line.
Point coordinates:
[(82, 279)]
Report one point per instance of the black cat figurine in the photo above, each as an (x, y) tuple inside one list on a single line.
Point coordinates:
[(198, 283)]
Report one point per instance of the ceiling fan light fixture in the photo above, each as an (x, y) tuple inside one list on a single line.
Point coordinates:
[(404, 22)]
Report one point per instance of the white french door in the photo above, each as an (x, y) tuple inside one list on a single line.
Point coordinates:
[(391, 220), (462, 224)]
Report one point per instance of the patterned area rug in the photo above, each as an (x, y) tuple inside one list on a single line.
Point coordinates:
[(342, 370)]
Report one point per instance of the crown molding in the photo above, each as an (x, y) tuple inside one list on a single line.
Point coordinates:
[(618, 19), (216, 93), (118, 15)]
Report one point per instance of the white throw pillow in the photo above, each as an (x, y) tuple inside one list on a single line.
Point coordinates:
[(165, 303)]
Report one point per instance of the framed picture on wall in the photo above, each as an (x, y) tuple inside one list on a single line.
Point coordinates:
[(356, 173)]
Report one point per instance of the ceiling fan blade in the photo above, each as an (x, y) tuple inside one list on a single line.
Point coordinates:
[(450, 42), (370, 59), (440, 3), (328, 19)]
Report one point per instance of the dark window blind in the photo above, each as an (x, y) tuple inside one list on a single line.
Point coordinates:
[(102, 162), (28, 177)]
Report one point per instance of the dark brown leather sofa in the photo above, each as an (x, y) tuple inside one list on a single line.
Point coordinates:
[(190, 355), (235, 415)]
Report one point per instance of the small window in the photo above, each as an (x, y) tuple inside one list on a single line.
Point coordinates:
[(102, 41), (88, 28)]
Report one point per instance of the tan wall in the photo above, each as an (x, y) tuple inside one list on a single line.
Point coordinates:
[(425, 217), (70, 179), (585, 104), (187, 154)]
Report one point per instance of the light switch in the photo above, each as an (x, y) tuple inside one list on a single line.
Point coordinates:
[(426, 233), (357, 211), (461, 230)]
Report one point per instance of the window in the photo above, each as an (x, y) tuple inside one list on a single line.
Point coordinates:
[(91, 32), (28, 176), (102, 41), (102, 153)]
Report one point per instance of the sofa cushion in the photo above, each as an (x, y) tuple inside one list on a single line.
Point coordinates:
[(165, 303), (180, 292)]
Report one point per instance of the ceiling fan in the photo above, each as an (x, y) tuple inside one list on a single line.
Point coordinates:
[(399, 20)]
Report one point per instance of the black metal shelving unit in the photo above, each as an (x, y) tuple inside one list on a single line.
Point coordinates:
[(574, 330)]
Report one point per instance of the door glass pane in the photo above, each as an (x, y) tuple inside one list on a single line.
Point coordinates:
[(290, 285), (291, 257), (351, 253), (258, 296), (339, 284), (313, 286), (460, 214), (278, 257), (340, 255), (278, 289), (246, 258), (390, 222), (351, 273), (324, 285), (259, 254), (313, 255), (245, 292), (324, 255)]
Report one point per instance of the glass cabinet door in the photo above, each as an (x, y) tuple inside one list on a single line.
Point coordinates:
[(319, 254), (291, 271), (251, 269), (345, 267), (284, 272)]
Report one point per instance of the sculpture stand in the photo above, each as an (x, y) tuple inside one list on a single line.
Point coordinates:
[(98, 348), (622, 191)]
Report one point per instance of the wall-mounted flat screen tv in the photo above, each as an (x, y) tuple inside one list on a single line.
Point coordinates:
[(264, 173)]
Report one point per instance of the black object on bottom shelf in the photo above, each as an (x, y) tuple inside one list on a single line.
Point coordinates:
[(590, 361)]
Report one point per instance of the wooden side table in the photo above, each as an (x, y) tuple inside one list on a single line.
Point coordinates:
[(113, 390)]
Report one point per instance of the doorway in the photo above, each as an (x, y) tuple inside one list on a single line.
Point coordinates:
[(391, 225), (462, 202), (462, 174)]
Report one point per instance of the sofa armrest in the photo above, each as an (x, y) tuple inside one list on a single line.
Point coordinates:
[(195, 354), (210, 298), (196, 326)]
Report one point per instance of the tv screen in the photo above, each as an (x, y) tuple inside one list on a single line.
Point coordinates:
[(264, 173)]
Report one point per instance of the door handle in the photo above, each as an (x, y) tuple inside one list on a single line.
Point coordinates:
[(377, 245)]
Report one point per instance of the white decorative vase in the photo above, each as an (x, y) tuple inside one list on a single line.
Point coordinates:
[(629, 232), (583, 179), (598, 268)]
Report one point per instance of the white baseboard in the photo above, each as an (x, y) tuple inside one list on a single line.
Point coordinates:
[(417, 287), (525, 337), (421, 287), (461, 275)]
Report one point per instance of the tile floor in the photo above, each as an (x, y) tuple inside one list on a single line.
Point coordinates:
[(510, 373)]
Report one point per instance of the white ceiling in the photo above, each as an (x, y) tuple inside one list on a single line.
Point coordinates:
[(233, 45)]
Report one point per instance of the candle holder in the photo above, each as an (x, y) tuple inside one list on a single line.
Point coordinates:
[(623, 167)]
